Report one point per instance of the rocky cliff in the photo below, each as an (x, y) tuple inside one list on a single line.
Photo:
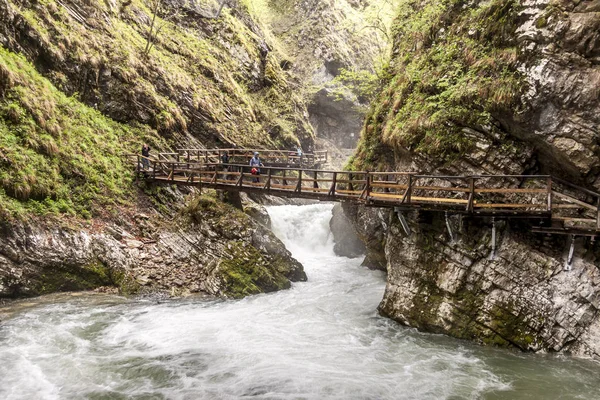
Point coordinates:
[(81, 86), (322, 40), (494, 87), (207, 248)]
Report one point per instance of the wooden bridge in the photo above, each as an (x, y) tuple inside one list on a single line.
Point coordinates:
[(553, 205), (274, 158)]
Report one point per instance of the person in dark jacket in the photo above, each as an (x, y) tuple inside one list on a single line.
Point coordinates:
[(145, 155), (225, 163)]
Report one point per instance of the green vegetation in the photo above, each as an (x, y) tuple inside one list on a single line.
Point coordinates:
[(454, 66), (57, 155), (66, 278), (184, 80)]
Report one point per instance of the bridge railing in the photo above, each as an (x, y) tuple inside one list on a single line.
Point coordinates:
[(243, 156)]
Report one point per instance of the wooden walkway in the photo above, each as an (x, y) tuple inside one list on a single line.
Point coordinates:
[(553, 205)]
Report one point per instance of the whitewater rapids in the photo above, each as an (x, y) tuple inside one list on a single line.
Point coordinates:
[(322, 339)]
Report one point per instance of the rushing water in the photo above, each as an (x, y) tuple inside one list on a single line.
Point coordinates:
[(322, 339)]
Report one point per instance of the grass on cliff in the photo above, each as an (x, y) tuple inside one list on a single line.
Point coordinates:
[(199, 70), (454, 67), (56, 154)]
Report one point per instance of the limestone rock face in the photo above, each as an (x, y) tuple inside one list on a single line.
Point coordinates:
[(561, 42), (206, 257), (520, 297), (347, 242), (323, 38)]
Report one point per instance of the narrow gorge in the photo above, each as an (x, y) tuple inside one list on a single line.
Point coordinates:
[(182, 274)]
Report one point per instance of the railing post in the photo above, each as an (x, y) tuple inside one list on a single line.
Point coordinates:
[(333, 185), (409, 189), (549, 190), (350, 185), (315, 182), (471, 195), (284, 180), (299, 185), (241, 178), (268, 183), (368, 187)]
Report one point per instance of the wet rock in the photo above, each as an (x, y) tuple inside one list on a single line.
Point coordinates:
[(347, 242), (184, 256)]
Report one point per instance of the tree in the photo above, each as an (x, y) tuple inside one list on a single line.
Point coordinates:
[(157, 7)]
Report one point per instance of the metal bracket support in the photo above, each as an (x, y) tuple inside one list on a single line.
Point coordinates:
[(493, 253), (569, 261), (403, 222), (449, 227)]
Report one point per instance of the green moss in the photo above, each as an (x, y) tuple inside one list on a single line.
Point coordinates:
[(541, 22), (126, 283), (512, 326), (247, 272), (57, 155), (71, 278)]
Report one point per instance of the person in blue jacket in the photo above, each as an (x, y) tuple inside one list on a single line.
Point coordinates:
[(255, 163)]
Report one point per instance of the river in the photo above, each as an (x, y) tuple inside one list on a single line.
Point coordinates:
[(322, 339)]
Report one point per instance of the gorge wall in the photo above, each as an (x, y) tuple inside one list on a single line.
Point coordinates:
[(323, 39), (80, 89), (488, 87)]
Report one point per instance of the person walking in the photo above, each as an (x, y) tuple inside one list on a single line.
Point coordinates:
[(225, 164), (255, 163), (145, 156)]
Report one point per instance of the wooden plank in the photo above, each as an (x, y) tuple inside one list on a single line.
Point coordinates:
[(438, 200), (567, 206), (569, 219), (351, 181), (388, 185), (574, 200), (507, 205), (276, 186), (357, 192), (314, 189), (518, 190), (442, 189), (419, 199)]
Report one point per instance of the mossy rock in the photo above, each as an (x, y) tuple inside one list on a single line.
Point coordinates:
[(248, 272), (66, 278)]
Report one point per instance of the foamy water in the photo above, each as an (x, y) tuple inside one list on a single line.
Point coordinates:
[(322, 339)]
